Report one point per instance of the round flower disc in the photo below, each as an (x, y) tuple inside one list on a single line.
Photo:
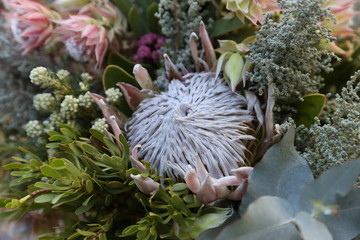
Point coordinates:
[(200, 116)]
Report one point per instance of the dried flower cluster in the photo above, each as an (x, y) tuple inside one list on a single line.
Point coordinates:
[(286, 52)]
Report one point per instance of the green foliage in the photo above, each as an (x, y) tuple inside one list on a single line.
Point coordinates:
[(90, 179), (140, 9), (308, 108), (114, 74), (224, 26), (293, 210), (176, 204)]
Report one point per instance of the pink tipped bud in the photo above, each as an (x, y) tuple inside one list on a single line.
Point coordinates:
[(145, 184), (135, 160), (192, 180), (143, 78)]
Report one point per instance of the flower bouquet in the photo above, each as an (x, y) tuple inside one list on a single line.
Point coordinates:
[(181, 120)]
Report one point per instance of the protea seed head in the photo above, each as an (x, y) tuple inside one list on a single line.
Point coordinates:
[(199, 116)]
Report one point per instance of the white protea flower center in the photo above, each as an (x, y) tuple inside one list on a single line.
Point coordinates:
[(200, 116)]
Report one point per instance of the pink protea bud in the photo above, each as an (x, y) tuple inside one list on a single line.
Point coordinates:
[(29, 22), (145, 184), (84, 38)]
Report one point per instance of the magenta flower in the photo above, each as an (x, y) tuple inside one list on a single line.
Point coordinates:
[(148, 48), (29, 22), (84, 38)]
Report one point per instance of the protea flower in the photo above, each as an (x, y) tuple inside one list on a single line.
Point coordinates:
[(343, 12), (89, 34), (199, 130), (251, 9), (29, 22), (84, 38)]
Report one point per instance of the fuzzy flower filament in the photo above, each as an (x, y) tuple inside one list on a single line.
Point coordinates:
[(200, 116)]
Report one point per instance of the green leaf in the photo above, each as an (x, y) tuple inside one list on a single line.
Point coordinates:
[(6, 214), (89, 186), (223, 26), (308, 109), (114, 74), (345, 223), (82, 209), (338, 180), (48, 171), (14, 166), (310, 228), (121, 61), (68, 133), (137, 26), (123, 5), (282, 172), (50, 186), (44, 198), (233, 70), (212, 233), (267, 218), (85, 233), (152, 20)]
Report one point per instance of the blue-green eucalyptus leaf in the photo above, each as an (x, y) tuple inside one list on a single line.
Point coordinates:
[(282, 172), (267, 218), (338, 180), (310, 228), (344, 223)]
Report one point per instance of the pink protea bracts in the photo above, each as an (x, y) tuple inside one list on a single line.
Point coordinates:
[(343, 12), (89, 34), (83, 38), (30, 22)]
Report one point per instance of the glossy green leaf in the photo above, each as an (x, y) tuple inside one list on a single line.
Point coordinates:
[(123, 5), (121, 61), (308, 109), (137, 26), (152, 20), (114, 74)]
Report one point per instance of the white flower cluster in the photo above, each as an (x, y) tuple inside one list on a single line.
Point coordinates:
[(38, 75), (100, 124), (85, 100), (86, 77), (34, 128), (113, 95), (69, 106), (44, 102), (63, 74)]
